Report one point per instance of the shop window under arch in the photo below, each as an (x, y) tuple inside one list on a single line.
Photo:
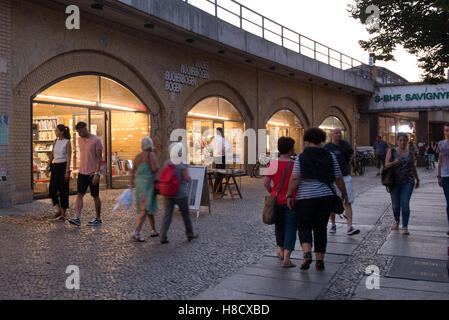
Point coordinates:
[(202, 122), (331, 123), (284, 123), (113, 113)]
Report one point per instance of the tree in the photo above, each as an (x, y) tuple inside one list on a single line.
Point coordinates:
[(421, 27)]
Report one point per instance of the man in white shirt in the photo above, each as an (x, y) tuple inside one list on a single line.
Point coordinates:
[(219, 147)]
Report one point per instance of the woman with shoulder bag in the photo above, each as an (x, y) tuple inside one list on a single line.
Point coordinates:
[(315, 171), (279, 172), (143, 177), (59, 165), (402, 160)]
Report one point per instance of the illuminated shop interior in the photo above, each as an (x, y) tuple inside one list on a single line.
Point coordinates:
[(390, 127), (331, 123), (112, 112), (201, 123), (284, 123)]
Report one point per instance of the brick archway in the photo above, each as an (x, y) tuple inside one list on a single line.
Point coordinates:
[(57, 68)]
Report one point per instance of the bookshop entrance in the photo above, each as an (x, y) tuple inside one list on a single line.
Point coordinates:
[(111, 111)]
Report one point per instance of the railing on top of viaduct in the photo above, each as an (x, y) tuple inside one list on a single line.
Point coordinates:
[(249, 20)]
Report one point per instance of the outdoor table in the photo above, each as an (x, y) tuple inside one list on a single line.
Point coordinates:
[(226, 177)]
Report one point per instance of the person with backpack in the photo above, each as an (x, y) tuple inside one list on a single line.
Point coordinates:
[(315, 171), (172, 185), (143, 177), (402, 160)]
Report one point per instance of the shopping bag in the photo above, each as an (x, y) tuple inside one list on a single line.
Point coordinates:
[(126, 199)]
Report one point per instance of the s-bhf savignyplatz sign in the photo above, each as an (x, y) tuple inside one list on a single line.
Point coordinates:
[(419, 97)]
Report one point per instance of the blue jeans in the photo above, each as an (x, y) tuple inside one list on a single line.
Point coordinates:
[(285, 227), (445, 182), (400, 200)]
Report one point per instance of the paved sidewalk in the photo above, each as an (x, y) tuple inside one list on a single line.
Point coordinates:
[(348, 256)]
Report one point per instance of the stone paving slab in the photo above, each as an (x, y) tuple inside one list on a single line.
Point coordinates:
[(435, 248), (398, 294), (406, 284), (272, 287)]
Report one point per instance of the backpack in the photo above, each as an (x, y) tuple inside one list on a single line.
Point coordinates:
[(168, 181)]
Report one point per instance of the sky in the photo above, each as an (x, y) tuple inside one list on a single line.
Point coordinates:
[(329, 22)]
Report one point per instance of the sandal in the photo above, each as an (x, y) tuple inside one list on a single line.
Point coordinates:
[(289, 265), (306, 264), (395, 226), (154, 234), (280, 256), (319, 265), (405, 232)]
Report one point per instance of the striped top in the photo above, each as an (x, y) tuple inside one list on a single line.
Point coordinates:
[(312, 188)]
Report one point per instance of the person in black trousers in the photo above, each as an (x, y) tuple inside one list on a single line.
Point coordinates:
[(59, 165)]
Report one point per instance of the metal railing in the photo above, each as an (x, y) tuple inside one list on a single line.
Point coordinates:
[(249, 20)]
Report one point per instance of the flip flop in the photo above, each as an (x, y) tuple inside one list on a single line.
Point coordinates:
[(154, 235)]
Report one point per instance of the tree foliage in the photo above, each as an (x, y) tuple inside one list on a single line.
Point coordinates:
[(421, 27)]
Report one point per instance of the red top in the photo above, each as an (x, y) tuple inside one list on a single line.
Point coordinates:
[(277, 177)]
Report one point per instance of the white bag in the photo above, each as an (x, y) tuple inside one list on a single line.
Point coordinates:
[(126, 198)]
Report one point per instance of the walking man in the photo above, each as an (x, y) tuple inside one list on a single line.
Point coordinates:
[(89, 172), (343, 151), (219, 148), (380, 152), (443, 167)]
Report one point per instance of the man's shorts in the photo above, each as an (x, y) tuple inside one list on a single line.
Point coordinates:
[(348, 184), (85, 181), (380, 161)]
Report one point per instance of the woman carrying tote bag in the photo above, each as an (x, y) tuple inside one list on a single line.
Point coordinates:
[(279, 172)]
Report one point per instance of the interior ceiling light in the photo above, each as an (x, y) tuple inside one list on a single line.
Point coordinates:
[(278, 124), (207, 116), (78, 101)]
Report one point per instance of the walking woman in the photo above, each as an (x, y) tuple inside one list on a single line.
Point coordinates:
[(402, 159), (59, 165), (285, 225), (142, 177), (315, 172)]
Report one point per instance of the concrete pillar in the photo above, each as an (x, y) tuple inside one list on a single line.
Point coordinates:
[(422, 128), (373, 127), (6, 187)]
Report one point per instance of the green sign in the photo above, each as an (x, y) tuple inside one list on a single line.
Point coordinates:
[(412, 97)]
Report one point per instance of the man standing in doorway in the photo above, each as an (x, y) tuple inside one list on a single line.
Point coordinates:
[(380, 152), (443, 167), (89, 172), (219, 148), (343, 151)]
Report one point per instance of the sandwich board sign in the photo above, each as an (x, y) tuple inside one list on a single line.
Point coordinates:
[(198, 189)]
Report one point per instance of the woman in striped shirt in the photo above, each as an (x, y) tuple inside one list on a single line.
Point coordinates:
[(315, 172)]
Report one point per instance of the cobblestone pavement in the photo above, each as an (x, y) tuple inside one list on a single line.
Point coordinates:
[(35, 252)]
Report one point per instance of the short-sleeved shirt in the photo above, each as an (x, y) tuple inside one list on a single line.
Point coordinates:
[(403, 173), (312, 188), (88, 158), (380, 148), (277, 177), (183, 185), (443, 150), (343, 152)]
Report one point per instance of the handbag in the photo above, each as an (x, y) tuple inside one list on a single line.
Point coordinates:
[(269, 208), (337, 204), (388, 176)]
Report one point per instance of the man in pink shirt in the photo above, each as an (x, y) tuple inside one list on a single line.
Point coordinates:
[(89, 172)]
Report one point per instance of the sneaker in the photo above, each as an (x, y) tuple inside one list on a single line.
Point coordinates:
[(352, 231), (138, 238), (94, 223), (333, 229), (164, 241), (75, 221), (192, 237)]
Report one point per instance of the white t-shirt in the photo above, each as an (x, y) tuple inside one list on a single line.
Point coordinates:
[(218, 145), (60, 151)]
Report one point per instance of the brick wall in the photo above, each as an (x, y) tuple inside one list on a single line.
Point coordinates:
[(6, 187)]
